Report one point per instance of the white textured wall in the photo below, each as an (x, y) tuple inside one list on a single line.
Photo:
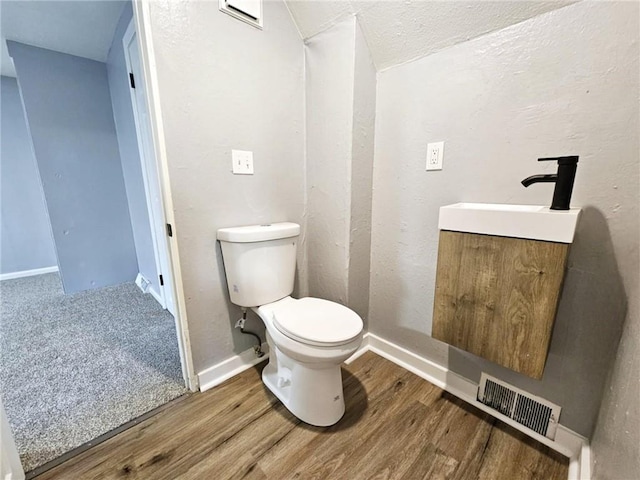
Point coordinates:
[(562, 83), (399, 31), (615, 448), (340, 112), (329, 76), (226, 85), (362, 149)]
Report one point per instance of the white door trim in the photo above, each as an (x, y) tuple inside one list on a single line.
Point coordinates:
[(10, 466), (150, 181), (141, 20)]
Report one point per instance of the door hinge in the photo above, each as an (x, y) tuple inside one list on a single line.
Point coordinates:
[(161, 280), (169, 230), (132, 80)]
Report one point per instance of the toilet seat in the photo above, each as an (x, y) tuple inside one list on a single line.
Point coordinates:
[(317, 322)]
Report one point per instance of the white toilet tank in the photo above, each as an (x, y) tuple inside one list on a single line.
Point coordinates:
[(259, 262)]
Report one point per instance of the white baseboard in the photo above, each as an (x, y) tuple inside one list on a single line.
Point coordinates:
[(567, 442), (10, 466), (28, 273), (585, 462), (147, 287), (230, 367)]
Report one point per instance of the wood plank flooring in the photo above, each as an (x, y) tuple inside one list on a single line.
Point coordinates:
[(397, 426)]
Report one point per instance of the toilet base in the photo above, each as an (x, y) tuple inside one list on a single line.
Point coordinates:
[(312, 392)]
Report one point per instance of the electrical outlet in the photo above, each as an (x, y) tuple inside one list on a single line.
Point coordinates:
[(242, 162), (435, 154)]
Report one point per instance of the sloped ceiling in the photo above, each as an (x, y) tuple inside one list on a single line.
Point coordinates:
[(83, 28), (398, 31)]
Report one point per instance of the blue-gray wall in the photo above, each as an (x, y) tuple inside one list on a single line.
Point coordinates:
[(25, 235), (129, 154), (68, 109)]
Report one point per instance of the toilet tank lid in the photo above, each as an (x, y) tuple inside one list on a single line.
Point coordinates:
[(259, 233)]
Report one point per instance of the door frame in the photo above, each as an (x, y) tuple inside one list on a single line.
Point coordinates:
[(158, 164), (151, 183), (10, 466)]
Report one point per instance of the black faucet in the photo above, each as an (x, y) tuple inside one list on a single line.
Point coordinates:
[(567, 167)]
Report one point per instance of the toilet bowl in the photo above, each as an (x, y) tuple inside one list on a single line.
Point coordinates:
[(308, 338), (305, 355)]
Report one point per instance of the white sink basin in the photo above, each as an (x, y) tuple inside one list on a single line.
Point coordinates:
[(520, 221)]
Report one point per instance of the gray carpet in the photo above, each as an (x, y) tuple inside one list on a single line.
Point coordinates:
[(76, 366)]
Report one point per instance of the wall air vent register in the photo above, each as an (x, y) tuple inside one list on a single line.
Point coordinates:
[(249, 11), (533, 412)]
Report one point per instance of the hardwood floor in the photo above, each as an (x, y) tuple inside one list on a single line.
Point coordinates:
[(397, 426)]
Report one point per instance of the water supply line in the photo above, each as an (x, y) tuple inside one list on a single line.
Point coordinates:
[(240, 324)]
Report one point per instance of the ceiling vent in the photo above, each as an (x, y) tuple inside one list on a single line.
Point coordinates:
[(533, 412), (249, 11)]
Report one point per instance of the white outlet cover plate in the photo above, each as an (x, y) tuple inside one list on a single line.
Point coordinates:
[(435, 154), (242, 162)]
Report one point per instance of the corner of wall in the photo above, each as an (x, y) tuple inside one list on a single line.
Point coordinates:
[(293, 19), (362, 154)]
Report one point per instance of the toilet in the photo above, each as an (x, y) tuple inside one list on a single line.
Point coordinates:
[(308, 338)]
